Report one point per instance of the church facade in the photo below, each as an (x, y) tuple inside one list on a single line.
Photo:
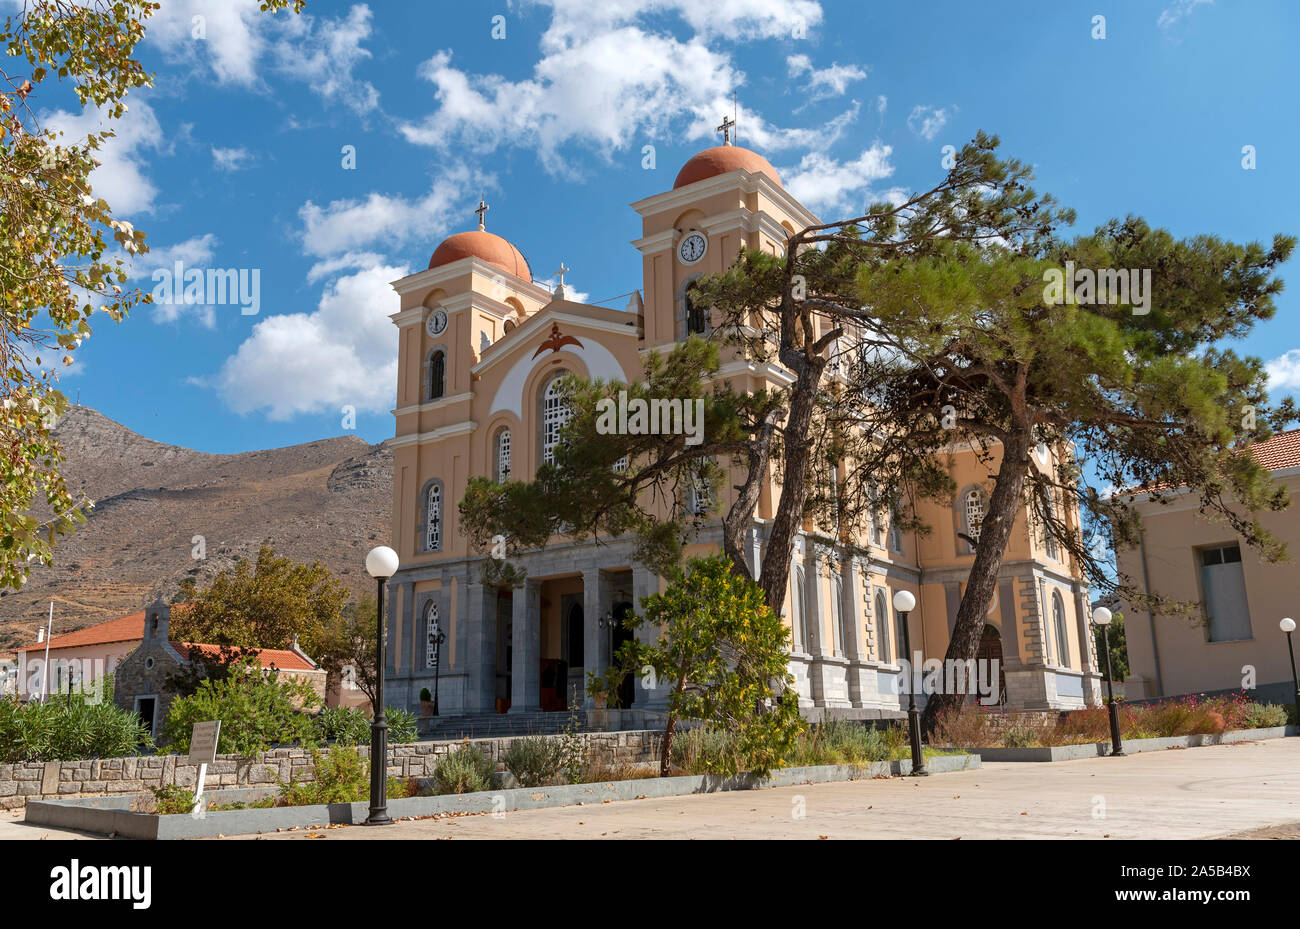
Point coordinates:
[(482, 347)]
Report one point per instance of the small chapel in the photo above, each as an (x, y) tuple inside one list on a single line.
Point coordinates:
[(482, 348)]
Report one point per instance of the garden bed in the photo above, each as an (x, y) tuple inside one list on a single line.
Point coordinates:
[(116, 816), (1131, 746)]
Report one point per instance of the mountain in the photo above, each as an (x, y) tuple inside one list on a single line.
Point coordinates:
[(327, 501)]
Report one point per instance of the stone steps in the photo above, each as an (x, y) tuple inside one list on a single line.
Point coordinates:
[(492, 726)]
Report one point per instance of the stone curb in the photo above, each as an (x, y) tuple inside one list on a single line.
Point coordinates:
[(1131, 746), (112, 815)]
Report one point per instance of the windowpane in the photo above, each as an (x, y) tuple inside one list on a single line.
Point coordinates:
[(433, 517), (437, 375), (503, 456), (882, 629), (555, 413), (1224, 586), (431, 634), (974, 513)]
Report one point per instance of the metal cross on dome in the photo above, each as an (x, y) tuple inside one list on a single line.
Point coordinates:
[(482, 211), (561, 271), (727, 125)]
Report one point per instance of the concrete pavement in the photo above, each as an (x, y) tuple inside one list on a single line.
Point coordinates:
[(1179, 794)]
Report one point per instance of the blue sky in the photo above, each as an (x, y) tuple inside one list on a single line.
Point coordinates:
[(235, 158)]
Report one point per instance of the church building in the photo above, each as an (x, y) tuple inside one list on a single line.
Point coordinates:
[(482, 346)]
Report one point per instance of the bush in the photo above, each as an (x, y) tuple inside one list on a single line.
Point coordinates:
[(534, 761), (170, 799), (339, 776), (425, 696), (464, 771), (347, 725), (1265, 715), (402, 727), (68, 730), (256, 710), (703, 750)]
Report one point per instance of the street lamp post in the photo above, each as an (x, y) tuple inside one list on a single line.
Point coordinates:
[(381, 564), (1288, 626), (437, 636), (1101, 617), (904, 603)]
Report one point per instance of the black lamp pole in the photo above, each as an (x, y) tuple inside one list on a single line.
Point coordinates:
[(1101, 616), (379, 727), (913, 714), (1288, 626), (438, 638)]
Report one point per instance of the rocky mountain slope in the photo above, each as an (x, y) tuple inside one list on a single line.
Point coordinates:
[(329, 500)]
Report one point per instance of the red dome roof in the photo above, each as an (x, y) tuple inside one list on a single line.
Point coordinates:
[(484, 246), (724, 158)]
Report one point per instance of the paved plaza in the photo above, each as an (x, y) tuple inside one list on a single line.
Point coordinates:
[(1251, 789)]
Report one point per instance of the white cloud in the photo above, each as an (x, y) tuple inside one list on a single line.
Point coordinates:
[(352, 225), (345, 352), (121, 177), (824, 82), (230, 159), (927, 121), (196, 252), (1176, 11), (841, 188), (235, 40), (606, 77), (1284, 372)]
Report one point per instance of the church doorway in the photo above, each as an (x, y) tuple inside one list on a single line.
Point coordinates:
[(572, 652), (621, 634), (991, 650)]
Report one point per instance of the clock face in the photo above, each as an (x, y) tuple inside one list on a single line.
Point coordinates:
[(436, 322), (692, 248)]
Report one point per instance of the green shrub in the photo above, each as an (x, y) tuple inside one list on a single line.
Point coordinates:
[(340, 775), (1265, 715), (402, 727), (464, 771), (68, 729), (257, 710), (171, 799), (534, 761), (702, 750), (425, 696), (345, 724)]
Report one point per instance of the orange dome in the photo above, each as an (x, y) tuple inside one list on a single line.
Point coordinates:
[(484, 246), (714, 161)]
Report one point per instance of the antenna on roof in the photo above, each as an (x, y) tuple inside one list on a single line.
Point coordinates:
[(735, 115)]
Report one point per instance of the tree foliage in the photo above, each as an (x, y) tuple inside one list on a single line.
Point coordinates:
[(63, 255), (263, 604), (724, 654)]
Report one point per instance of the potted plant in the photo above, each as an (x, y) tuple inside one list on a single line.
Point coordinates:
[(596, 689), (426, 702)]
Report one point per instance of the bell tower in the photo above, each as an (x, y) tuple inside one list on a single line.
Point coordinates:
[(723, 199)]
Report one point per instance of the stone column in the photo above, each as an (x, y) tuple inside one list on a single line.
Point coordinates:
[(596, 640), (854, 631), (813, 618), (645, 583), (1087, 647), (526, 672), (481, 652)]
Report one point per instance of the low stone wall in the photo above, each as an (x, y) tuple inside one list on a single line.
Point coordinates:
[(25, 781)]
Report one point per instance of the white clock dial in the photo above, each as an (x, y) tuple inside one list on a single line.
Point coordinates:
[(692, 248), (436, 322)]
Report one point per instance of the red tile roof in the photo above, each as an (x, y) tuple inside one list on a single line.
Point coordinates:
[(282, 658), (1280, 451), (123, 629), (131, 629)]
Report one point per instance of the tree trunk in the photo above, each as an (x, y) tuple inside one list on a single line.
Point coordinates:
[(741, 515), (794, 487), (995, 531), (666, 753)]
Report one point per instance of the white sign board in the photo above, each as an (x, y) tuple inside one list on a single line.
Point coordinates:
[(203, 742)]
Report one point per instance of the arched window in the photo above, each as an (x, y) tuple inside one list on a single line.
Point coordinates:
[(837, 613), (895, 533), (502, 450), (437, 374), (431, 630), (433, 517), (882, 629), (900, 643), (699, 494), (696, 315), (555, 413), (974, 512), (797, 629), (1049, 540), (1058, 621)]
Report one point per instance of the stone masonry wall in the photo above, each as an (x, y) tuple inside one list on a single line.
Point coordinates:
[(22, 781)]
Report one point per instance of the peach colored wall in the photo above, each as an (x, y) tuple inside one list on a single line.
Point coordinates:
[(1189, 662)]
